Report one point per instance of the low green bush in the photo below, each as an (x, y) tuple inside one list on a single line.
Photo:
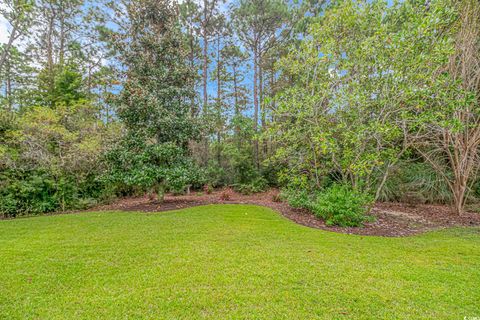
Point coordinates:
[(257, 185), (297, 198), (35, 191), (340, 205), (28, 192)]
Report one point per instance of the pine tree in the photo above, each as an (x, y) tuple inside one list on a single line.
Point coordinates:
[(257, 23)]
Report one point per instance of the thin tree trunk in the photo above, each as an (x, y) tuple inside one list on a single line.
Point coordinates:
[(237, 107), (260, 91), (205, 68), (262, 105), (219, 99), (235, 91), (219, 81), (204, 75), (89, 80), (50, 57), (61, 51), (8, 89), (205, 57), (192, 65), (459, 189), (7, 48), (255, 104), (272, 106), (107, 111)]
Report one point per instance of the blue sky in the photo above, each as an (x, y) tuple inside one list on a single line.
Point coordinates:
[(3, 27), (212, 85)]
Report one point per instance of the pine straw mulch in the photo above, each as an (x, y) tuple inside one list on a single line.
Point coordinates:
[(391, 219)]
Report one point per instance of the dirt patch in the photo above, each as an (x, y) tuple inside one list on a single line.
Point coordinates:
[(391, 219)]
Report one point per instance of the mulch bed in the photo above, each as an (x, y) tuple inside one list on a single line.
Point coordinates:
[(391, 219)]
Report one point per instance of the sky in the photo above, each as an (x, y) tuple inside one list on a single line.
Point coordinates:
[(3, 28), (212, 85)]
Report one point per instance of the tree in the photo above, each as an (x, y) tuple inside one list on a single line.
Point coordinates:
[(18, 13), (257, 23), (220, 75), (449, 121), (233, 60), (190, 18), (154, 102), (207, 23), (357, 80), (53, 32), (50, 158), (16, 80)]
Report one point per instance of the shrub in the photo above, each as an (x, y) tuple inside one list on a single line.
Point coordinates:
[(35, 192), (342, 206), (215, 175), (257, 185), (84, 203), (207, 188), (415, 182), (297, 198), (226, 194), (277, 198)]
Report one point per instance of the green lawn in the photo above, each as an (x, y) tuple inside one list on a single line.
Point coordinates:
[(229, 262)]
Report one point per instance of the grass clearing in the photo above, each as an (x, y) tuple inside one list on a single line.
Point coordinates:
[(229, 262)]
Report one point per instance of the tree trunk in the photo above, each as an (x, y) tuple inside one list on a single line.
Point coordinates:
[(205, 57), (237, 107), (7, 48), (462, 167), (262, 108), (8, 89), (107, 111), (235, 91), (61, 51), (260, 91), (192, 65), (459, 187), (219, 100), (159, 191), (262, 105), (255, 104), (459, 197), (50, 62), (205, 76), (205, 68), (272, 106)]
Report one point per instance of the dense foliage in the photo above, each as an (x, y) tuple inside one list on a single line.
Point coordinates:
[(342, 206), (339, 205), (50, 159), (153, 103), (340, 103), (370, 100)]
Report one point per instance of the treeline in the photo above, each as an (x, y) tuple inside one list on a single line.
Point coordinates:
[(340, 103), (55, 122)]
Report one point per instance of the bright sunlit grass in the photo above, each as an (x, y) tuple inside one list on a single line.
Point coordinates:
[(229, 262)]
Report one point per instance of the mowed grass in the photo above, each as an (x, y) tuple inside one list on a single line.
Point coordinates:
[(229, 262)]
